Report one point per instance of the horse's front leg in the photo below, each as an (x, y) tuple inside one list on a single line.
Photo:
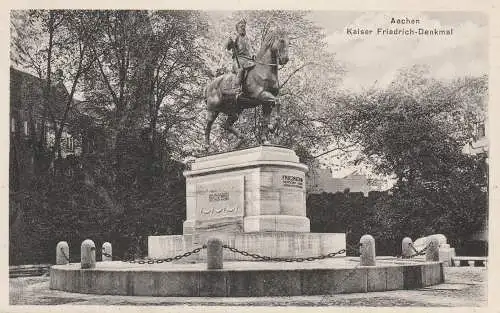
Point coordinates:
[(231, 119), (273, 127), (212, 116), (266, 122), (268, 103)]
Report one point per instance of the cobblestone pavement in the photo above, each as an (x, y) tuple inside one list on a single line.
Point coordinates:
[(463, 287)]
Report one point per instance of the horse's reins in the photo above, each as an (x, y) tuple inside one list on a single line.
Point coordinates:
[(262, 63)]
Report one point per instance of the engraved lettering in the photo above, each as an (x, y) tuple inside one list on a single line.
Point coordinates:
[(218, 196), (292, 181), (217, 211)]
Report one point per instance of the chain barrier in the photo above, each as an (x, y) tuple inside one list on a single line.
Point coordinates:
[(157, 261), (354, 249), (64, 255), (417, 253), (281, 259)]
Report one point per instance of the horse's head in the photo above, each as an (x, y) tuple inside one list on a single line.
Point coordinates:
[(278, 42)]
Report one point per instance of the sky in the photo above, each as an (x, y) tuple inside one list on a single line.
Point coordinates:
[(375, 59)]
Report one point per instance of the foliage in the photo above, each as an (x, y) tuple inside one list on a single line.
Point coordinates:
[(140, 86), (391, 217), (415, 131)]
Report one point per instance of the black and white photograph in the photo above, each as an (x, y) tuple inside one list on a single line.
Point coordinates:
[(248, 158)]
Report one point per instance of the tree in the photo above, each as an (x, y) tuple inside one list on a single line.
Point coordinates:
[(415, 131), (139, 73), (51, 43)]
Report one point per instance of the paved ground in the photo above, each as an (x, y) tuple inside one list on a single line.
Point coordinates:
[(463, 287)]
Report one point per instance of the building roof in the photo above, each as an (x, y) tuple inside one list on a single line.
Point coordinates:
[(26, 90)]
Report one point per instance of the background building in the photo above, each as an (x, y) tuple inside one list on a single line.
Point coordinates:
[(322, 180), (32, 131)]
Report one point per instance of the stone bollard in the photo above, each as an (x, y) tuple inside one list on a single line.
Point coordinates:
[(62, 253), (87, 254), (107, 249), (214, 254), (406, 249), (367, 250), (432, 252)]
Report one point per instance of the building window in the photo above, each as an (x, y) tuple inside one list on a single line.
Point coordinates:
[(13, 125)]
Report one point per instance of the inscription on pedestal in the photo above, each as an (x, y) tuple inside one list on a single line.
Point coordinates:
[(220, 198), (292, 181)]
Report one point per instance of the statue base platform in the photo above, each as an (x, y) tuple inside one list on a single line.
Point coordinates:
[(272, 244), (250, 190), (253, 200)]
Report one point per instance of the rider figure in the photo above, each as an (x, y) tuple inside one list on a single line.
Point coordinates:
[(242, 58)]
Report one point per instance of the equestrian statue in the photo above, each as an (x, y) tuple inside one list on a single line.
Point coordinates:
[(253, 82)]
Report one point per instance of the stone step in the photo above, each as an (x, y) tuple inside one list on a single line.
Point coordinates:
[(469, 261), (28, 270)]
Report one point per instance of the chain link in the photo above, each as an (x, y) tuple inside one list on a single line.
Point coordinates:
[(64, 255), (281, 259), (355, 248), (417, 253), (158, 261)]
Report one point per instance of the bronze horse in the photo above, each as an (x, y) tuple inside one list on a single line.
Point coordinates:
[(260, 87)]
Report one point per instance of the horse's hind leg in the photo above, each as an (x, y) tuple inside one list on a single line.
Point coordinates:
[(231, 119), (266, 123), (212, 116), (269, 102)]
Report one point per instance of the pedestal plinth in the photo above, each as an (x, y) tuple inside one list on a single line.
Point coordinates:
[(253, 190)]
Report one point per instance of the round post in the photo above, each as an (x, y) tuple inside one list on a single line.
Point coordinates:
[(367, 250), (214, 254), (406, 249), (62, 253), (87, 254), (432, 252), (107, 252)]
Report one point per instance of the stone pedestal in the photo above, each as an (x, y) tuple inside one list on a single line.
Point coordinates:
[(240, 194), (252, 190)]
